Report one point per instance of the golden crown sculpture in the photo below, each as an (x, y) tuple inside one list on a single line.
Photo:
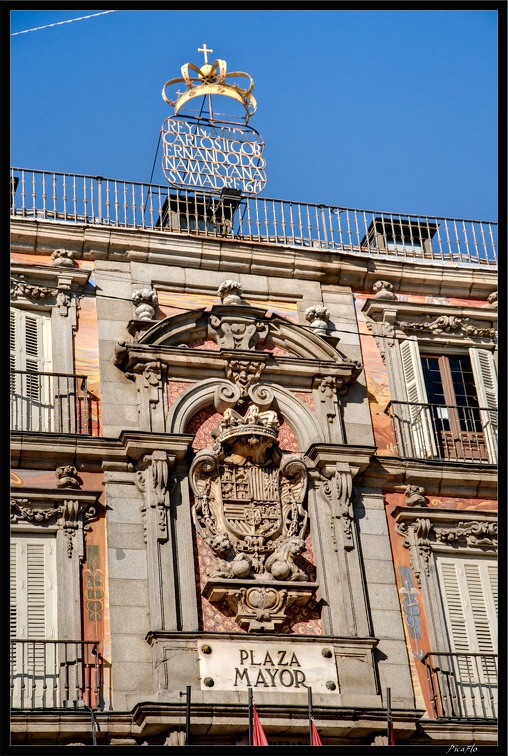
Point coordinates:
[(211, 80)]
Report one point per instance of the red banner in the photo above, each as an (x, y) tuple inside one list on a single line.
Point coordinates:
[(258, 735)]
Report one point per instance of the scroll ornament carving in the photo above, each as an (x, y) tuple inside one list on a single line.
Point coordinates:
[(31, 291), (66, 515), (344, 485), (67, 477), (230, 292), (474, 533), (318, 317), (250, 509), (338, 492), (384, 290), (155, 481), (244, 373), (415, 496), (384, 332), (145, 301), (237, 333), (417, 539), (63, 258), (447, 324)]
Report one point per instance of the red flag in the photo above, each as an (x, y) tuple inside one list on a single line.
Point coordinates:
[(258, 735), (391, 739), (316, 740)]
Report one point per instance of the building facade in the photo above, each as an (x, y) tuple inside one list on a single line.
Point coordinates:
[(254, 446)]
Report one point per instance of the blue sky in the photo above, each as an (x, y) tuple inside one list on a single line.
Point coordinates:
[(380, 110)]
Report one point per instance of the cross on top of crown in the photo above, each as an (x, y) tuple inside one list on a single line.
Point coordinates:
[(204, 50)]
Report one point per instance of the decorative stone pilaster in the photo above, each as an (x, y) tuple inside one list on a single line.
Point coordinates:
[(318, 317), (145, 301), (230, 292), (151, 400), (155, 480)]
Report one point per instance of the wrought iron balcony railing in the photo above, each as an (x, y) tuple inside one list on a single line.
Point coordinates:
[(52, 674), (53, 403), (462, 686), (78, 198), (448, 433)]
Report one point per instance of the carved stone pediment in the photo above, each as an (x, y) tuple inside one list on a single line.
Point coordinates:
[(397, 319), (250, 508), (237, 330)]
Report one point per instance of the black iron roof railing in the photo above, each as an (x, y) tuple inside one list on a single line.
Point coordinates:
[(114, 203)]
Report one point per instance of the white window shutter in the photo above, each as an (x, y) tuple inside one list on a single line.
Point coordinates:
[(469, 588), (31, 340), (485, 377), (420, 419), (33, 618), (31, 399), (33, 587)]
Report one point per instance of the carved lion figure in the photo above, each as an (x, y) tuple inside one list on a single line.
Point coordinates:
[(227, 564), (281, 564)]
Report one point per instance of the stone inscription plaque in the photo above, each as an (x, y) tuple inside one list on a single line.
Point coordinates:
[(291, 667)]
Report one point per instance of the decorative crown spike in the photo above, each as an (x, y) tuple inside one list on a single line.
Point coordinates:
[(211, 79)]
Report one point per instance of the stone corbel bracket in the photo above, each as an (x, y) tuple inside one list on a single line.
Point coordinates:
[(426, 530), (262, 605), (65, 510), (457, 325), (47, 285), (334, 470), (155, 479)]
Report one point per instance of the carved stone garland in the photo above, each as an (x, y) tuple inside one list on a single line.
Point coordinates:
[(66, 514), (250, 509)]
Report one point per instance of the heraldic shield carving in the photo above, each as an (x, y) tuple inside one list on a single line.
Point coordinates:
[(250, 508)]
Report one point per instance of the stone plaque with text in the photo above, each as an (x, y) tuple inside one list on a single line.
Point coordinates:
[(292, 667)]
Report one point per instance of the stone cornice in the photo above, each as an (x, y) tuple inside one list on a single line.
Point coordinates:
[(323, 458), (453, 479), (91, 454), (199, 364), (432, 322), (345, 269), (50, 276)]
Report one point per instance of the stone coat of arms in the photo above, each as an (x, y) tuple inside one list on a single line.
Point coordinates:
[(250, 509)]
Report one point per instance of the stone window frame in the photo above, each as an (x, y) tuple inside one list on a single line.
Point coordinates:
[(64, 514), (55, 289), (427, 532), (434, 328)]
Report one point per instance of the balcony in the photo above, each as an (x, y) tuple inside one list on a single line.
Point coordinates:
[(114, 203), (53, 403), (51, 674), (445, 433), (462, 686)]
